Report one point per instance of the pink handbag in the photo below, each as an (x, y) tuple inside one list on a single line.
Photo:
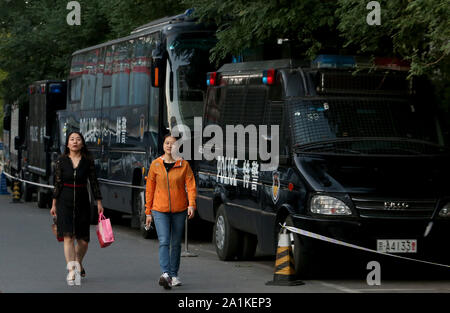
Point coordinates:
[(104, 231)]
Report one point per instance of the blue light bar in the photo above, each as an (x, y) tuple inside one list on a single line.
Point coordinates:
[(55, 88), (334, 61)]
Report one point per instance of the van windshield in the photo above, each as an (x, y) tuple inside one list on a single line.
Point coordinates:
[(364, 126), (189, 57)]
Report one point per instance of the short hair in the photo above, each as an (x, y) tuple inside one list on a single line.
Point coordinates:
[(169, 135)]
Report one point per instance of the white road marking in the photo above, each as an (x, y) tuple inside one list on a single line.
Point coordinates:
[(340, 288)]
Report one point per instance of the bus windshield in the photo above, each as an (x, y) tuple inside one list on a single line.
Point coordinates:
[(359, 125), (189, 63)]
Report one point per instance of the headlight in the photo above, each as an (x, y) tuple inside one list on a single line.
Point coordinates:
[(445, 211), (329, 206)]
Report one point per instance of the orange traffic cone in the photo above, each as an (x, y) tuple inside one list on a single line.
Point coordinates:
[(284, 274)]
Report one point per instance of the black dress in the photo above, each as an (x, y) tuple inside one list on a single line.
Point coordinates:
[(72, 204)]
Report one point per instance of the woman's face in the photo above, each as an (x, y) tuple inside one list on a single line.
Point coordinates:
[(75, 143), (168, 144)]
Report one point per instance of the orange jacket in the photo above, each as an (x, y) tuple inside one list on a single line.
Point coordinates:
[(181, 179)]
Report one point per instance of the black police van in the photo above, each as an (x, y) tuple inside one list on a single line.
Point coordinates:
[(41, 145), (362, 159)]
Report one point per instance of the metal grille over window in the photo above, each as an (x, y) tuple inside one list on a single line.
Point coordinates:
[(362, 126)]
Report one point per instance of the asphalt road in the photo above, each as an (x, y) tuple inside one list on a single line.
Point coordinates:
[(31, 260)]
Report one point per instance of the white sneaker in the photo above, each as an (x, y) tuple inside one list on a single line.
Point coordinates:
[(176, 281), (165, 281)]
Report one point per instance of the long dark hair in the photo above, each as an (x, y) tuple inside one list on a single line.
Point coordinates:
[(84, 150)]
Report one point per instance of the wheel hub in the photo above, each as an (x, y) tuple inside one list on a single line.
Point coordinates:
[(220, 232)]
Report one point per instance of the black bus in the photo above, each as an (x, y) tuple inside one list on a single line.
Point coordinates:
[(362, 159), (123, 95)]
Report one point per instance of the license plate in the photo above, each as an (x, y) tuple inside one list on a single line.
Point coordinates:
[(397, 245)]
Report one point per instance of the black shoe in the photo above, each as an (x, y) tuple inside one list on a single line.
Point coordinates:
[(165, 281)]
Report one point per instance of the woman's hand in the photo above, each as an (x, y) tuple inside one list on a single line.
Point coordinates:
[(100, 207), (148, 221), (53, 211), (191, 212)]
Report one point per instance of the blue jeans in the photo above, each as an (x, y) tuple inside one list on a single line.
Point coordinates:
[(170, 228)]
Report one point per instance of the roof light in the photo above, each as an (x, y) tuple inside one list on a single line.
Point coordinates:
[(212, 79), (269, 77), (334, 61), (31, 89), (392, 64), (55, 88), (42, 88)]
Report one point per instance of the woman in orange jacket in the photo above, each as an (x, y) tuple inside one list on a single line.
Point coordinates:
[(170, 196)]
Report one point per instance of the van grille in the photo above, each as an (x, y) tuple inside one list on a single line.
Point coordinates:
[(394, 208)]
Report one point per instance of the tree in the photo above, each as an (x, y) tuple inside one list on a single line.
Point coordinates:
[(37, 43), (417, 31), (310, 24)]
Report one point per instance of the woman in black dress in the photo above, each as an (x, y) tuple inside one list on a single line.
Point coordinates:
[(71, 205)]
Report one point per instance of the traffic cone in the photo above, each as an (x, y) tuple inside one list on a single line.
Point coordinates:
[(16, 192), (3, 187), (284, 274)]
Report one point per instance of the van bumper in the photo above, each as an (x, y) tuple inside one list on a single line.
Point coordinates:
[(365, 233)]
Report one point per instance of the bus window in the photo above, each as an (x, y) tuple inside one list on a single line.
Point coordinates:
[(120, 75), (75, 89), (100, 68), (107, 73), (106, 96), (140, 71), (88, 80)]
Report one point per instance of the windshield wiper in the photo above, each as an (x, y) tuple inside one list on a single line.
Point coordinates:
[(324, 146)]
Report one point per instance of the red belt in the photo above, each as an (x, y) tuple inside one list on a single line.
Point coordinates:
[(75, 186)]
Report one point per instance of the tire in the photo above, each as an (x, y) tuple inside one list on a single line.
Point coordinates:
[(138, 219), (42, 200), (26, 189), (225, 237), (303, 259), (247, 246)]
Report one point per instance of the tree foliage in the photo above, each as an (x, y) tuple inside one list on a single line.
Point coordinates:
[(414, 30), (244, 24), (418, 31), (37, 43)]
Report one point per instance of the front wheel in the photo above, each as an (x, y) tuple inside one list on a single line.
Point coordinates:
[(225, 237), (303, 259)]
